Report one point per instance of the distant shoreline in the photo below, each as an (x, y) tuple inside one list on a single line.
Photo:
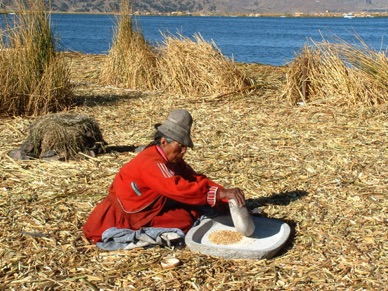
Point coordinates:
[(177, 14)]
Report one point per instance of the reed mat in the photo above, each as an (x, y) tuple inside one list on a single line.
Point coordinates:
[(323, 170)]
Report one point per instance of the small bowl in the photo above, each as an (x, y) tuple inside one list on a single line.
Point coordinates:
[(170, 262)]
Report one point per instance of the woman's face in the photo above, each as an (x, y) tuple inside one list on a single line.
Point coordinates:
[(174, 151)]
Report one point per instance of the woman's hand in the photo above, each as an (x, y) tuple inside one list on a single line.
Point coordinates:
[(234, 193)]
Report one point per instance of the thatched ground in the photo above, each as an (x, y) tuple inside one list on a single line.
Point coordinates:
[(324, 170)]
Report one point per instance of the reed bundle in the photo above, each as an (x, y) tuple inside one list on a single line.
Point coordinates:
[(131, 61), (180, 65), (34, 79), (63, 136), (338, 74), (197, 67)]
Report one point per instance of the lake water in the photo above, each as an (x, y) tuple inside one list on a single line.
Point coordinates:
[(266, 40)]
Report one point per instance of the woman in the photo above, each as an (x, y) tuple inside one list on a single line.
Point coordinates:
[(158, 188)]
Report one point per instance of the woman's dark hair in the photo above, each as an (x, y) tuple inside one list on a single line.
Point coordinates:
[(157, 137)]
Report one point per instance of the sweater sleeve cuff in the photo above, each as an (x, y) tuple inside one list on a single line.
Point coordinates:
[(212, 195)]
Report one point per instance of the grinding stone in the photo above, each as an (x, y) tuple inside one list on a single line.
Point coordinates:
[(268, 238)]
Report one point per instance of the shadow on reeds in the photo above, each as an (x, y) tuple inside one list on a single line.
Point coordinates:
[(121, 149), (291, 239), (283, 198), (108, 99)]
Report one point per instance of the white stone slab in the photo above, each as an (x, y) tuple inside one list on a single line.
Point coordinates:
[(268, 238)]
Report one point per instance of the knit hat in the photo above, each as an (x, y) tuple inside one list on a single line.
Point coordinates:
[(178, 126)]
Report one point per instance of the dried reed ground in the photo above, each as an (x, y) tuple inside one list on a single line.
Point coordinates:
[(323, 170)]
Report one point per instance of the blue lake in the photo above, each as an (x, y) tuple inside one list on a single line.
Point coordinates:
[(266, 40)]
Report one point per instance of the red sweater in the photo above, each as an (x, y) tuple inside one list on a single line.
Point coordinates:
[(143, 185), (141, 189)]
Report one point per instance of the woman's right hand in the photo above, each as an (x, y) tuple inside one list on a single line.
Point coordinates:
[(234, 193)]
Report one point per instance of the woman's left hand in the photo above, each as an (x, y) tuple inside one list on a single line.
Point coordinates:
[(234, 193)]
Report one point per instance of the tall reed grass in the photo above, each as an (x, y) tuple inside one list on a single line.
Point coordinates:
[(34, 79), (180, 65), (131, 61), (340, 74)]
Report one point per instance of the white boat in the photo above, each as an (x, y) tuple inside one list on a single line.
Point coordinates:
[(349, 15)]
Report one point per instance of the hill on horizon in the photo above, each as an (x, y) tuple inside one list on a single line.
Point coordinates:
[(220, 6)]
